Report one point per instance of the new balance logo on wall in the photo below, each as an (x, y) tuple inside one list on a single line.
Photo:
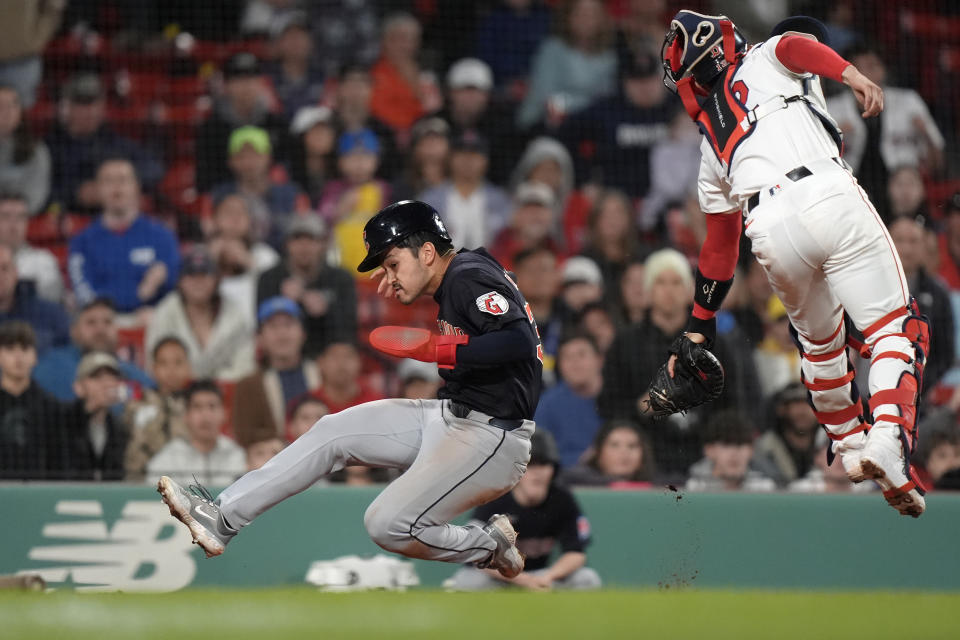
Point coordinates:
[(139, 552)]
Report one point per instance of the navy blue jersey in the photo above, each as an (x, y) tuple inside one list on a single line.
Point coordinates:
[(476, 296)]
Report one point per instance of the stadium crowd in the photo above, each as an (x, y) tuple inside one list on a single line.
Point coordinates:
[(183, 189)]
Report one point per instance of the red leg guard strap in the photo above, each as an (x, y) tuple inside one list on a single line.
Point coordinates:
[(882, 322), (825, 384), (823, 357), (841, 416), (827, 340), (860, 347), (898, 396), (893, 354), (840, 436), (903, 422), (892, 493)]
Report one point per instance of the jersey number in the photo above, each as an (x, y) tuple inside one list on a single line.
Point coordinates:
[(740, 91), (537, 331)]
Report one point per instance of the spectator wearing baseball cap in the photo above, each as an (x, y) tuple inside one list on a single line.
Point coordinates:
[(418, 380), (261, 399), (313, 149), (531, 223), (250, 153), (353, 112), (470, 106), (727, 463), (326, 294), (216, 331), (582, 283), (427, 158), (82, 139), (349, 202), (97, 436), (786, 451), (296, 78), (246, 100), (473, 209), (612, 139)]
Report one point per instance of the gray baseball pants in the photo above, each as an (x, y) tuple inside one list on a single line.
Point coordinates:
[(451, 465)]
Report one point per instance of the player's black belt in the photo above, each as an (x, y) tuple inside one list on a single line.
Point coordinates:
[(794, 175), (462, 411)]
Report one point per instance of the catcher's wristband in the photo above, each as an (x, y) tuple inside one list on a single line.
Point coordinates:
[(707, 327), (709, 293)]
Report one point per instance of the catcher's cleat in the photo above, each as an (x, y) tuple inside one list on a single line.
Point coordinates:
[(506, 558), (882, 461), (195, 508), (850, 450)]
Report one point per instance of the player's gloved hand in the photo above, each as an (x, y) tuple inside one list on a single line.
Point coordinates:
[(697, 377), (419, 344)]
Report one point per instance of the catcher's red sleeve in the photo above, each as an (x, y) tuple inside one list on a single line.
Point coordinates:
[(801, 55), (718, 260)]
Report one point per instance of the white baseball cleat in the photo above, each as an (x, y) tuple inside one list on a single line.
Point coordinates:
[(506, 558), (882, 460), (850, 450), (195, 508)]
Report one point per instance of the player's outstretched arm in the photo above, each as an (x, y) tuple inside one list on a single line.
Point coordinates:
[(868, 94)]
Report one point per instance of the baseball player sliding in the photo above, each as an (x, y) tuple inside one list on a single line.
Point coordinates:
[(771, 152), (460, 451)]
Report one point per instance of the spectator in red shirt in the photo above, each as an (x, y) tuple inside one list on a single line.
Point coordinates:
[(531, 225), (340, 386), (396, 96)]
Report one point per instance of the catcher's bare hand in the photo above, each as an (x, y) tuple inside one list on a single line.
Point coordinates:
[(866, 91), (696, 338)]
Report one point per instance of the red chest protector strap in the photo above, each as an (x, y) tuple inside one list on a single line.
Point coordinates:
[(720, 116)]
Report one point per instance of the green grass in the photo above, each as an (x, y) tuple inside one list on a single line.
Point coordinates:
[(271, 614)]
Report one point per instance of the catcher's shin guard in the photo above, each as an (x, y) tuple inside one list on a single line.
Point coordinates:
[(899, 343), (828, 374)]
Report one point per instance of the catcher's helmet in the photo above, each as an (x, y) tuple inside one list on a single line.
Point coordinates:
[(394, 223), (700, 46)]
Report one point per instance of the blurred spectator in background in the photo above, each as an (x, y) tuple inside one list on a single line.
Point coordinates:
[(327, 295), (548, 520), (470, 107), (674, 166), (425, 166), (903, 135), (632, 304), (756, 292), (94, 328), (344, 32), (568, 410), (582, 284), (596, 321), (573, 68), (611, 140), (19, 301), (908, 235), (620, 457), (353, 112), (641, 26), (261, 399), (80, 143), (531, 224), (27, 27), (216, 330), (31, 444), (340, 384), (785, 452), (24, 161), (250, 160), (312, 150), (776, 357), (949, 241), (259, 453), (260, 15), (727, 451), (34, 265), (123, 255), (157, 417), (349, 202), (611, 240), (522, 23), (547, 161), (938, 454), (297, 78), (906, 194), (418, 380), (539, 282), (204, 455), (303, 412), (397, 97), (472, 208), (237, 251), (98, 437), (246, 100)]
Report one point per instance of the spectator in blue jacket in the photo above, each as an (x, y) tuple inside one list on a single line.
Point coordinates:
[(93, 329), (81, 141), (568, 410), (522, 23), (18, 301), (123, 255)]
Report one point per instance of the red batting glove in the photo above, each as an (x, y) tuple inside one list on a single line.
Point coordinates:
[(419, 344)]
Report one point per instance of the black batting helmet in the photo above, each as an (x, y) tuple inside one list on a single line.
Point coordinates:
[(394, 223)]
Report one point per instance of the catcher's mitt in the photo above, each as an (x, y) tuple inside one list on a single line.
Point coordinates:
[(697, 378)]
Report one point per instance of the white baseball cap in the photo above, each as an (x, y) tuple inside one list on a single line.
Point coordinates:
[(307, 118), (581, 269), (470, 73)]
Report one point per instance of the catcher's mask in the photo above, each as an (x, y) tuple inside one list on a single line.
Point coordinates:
[(699, 47)]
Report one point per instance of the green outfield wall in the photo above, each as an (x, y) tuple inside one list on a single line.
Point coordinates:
[(121, 537)]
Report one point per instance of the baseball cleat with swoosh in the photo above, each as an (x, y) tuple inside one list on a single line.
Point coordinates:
[(194, 507)]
